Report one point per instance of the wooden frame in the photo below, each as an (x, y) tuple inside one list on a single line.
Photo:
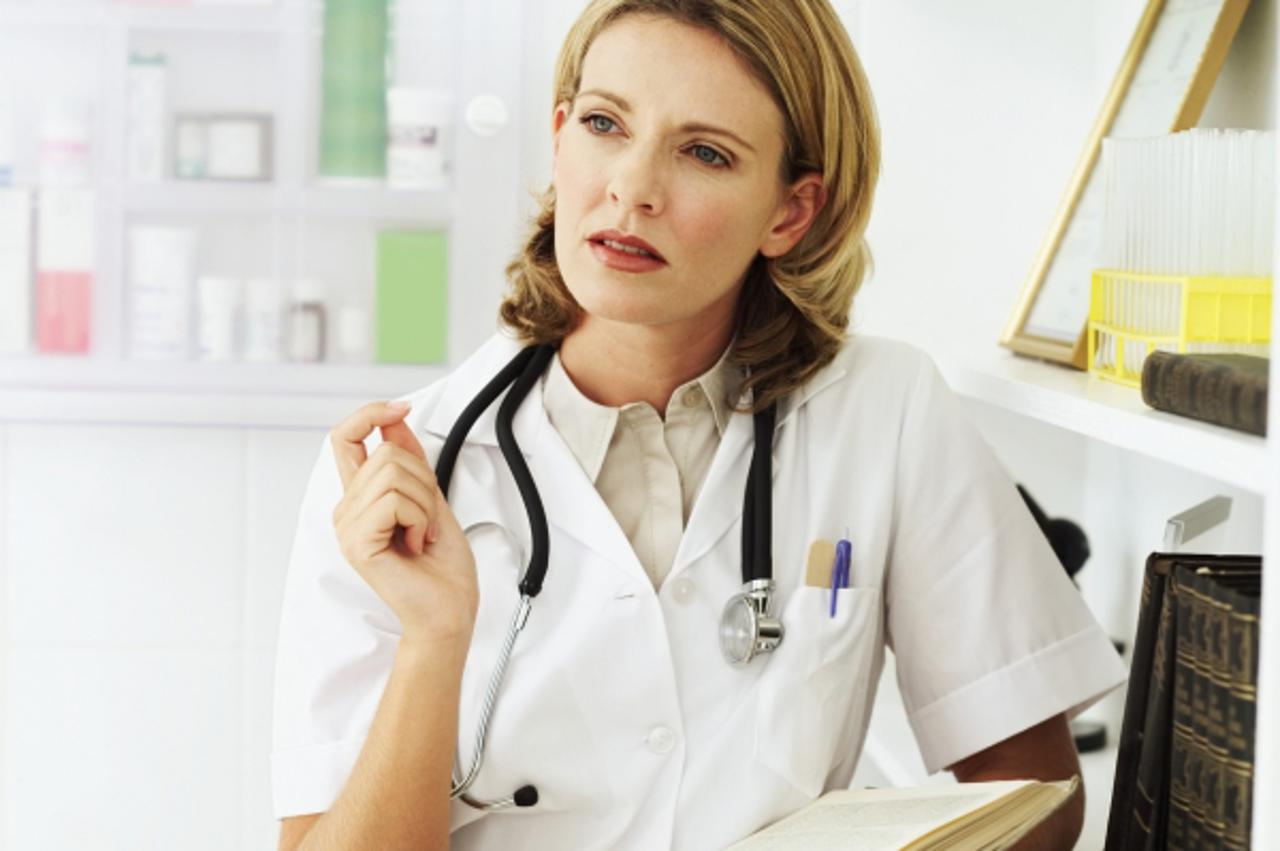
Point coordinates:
[(1175, 56)]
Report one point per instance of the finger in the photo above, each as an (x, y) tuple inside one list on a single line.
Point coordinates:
[(402, 436), (380, 522), (391, 477), (387, 454), (349, 435)]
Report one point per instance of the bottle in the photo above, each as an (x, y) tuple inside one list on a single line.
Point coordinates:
[(264, 321), (15, 270), (416, 127), (220, 301), (145, 111), (306, 322), (353, 334), (161, 264)]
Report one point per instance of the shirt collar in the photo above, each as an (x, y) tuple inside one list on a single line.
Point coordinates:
[(587, 426)]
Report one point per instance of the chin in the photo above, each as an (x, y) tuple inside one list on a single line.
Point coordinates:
[(630, 308)]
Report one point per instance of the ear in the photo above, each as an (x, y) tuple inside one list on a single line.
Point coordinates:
[(801, 203), (558, 118)]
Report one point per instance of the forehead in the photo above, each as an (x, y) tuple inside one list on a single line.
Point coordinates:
[(666, 66)]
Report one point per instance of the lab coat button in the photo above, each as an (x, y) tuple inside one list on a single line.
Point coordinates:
[(690, 398), (682, 590), (661, 740)]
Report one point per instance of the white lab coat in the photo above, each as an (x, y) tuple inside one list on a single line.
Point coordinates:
[(617, 703)]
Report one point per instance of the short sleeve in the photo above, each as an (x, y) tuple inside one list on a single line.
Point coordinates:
[(335, 649), (989, 634)]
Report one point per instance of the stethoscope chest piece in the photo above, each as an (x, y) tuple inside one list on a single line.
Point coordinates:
[(748, 626)]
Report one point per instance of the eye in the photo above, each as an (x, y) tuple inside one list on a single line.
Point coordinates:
[(597, 123), (710, 156)]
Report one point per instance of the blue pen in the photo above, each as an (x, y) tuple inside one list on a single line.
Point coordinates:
[(840, 570)]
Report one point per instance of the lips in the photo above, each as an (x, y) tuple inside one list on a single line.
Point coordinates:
[(619, 241)]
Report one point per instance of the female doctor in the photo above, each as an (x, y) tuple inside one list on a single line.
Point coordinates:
[(693, 265)]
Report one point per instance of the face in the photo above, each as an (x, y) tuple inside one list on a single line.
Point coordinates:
[(670, 142)]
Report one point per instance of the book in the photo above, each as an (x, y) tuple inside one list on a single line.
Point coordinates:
[(957, 817), (1227, 390), (1184, 764), (1204, 768)]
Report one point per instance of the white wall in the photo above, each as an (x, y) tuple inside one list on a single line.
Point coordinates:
[(142, 576)]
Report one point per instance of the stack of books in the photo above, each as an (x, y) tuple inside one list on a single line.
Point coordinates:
[(1184, 771)]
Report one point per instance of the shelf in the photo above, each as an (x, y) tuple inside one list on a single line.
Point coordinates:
[(268, 395), (422, 208), (243, 17), (1111, 413)]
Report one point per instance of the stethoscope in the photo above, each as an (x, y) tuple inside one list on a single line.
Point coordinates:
[(748, 626)]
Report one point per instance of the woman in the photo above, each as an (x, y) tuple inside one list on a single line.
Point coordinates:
[(693, 264)]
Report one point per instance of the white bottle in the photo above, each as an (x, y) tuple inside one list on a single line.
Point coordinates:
[(65, 143), (221, 301), (160, 281), (264, 320), (8, 152), (15, 270), (417, 129), (353, 335), (145, 117)]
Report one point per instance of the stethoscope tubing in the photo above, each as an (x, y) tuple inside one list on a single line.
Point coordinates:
[(520, 374)]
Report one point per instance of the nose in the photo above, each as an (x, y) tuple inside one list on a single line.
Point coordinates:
[(636, 181)]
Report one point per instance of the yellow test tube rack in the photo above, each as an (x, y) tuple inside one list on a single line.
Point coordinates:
[(1132, 315)]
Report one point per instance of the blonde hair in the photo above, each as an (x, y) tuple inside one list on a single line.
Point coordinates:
[(793, 309)]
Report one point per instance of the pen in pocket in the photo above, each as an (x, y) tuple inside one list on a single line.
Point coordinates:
[(840, 570)]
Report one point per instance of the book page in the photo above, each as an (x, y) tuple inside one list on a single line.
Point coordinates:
[(875, 819)]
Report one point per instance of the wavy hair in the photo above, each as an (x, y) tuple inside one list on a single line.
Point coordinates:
[(793, 309)]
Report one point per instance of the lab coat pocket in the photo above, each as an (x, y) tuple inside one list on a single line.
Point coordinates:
[(815, 688)]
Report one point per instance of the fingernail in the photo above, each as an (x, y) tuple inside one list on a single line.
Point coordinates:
[(433, 532), (398, 406)]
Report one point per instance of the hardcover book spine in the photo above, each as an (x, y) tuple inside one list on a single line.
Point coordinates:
[(1130, 745), (1241, 715), (1183, 772), (1150, 804), (1212, 392), (1218, 691)]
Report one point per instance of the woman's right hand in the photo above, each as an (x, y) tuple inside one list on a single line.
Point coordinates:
[(395, 528)]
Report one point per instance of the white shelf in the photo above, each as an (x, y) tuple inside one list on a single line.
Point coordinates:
[(425, 208), (1114, 414), (266, 395), (230, 17)]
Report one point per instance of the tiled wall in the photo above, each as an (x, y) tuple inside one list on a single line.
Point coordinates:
[(142, 570)]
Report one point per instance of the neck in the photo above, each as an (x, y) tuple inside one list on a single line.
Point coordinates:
[(615, 363)]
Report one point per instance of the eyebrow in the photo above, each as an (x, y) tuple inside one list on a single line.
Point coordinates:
[(690, 127)]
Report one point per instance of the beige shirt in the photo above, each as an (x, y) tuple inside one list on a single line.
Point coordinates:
[(647, 469)]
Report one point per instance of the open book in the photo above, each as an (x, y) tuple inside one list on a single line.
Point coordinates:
[(960, 817)]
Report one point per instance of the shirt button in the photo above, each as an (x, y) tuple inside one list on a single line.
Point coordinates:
[(690, 398), (682, 590), (660, 740)]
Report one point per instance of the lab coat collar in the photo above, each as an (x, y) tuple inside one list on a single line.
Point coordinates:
[(465, 382), (720, 503), (585, 515), (572, 504), (475, 372)]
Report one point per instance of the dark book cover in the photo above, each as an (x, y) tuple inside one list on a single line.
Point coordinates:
[(1227, 390), (1141, 813), (1202, 769), (1120, 822)]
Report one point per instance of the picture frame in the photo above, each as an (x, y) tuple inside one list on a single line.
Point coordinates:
[(1164, 82)]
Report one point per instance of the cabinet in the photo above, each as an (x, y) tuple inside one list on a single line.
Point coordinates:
[(262, 56), (984, 110)]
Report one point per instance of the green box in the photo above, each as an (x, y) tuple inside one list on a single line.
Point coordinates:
[(412, 301)]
